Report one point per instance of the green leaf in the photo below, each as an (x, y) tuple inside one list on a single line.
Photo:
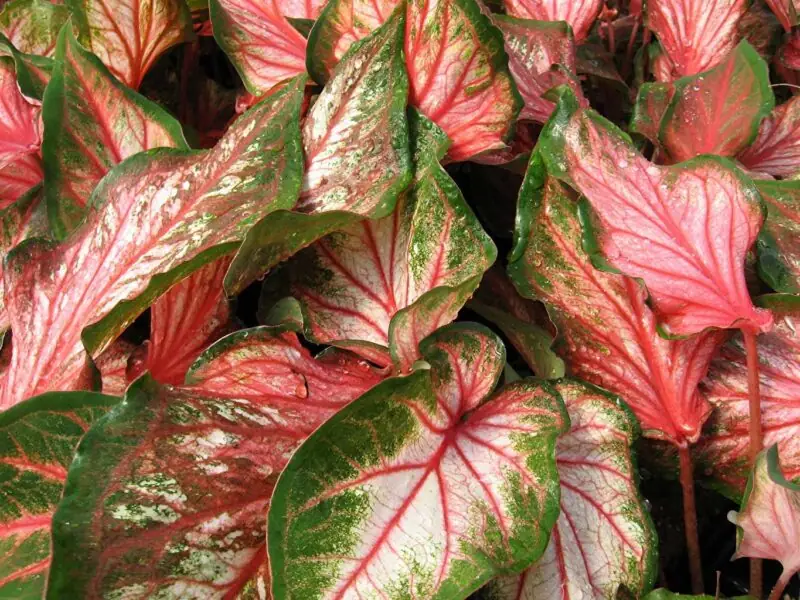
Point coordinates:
[(32, 26), (778, 244)]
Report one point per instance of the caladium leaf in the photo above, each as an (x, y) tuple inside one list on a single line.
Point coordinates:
[(416, 490), (129, 35), (424, 260), (32, 26), (718, 111), (652, 101), (696, 37), (768, 524), (685, 230), (92, 122), (37, 441), (113, 367), (776, 149), (778, 247), (263, 45), (580, 14), (458, 71), (33, 72), (541, 55), (610, 333), (20, 138), (157, 216), (604, 537), (723, 450), (184, 475), (786, 12)]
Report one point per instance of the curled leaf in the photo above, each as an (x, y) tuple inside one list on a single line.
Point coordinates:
[(32, 26)]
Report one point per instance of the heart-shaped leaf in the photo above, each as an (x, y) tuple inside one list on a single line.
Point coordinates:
[(723, 449), (262, 43), (684, 230), (129, 35), (580, 14), (91, 123), (420, 264), (415, 489), (718, 111), (776, 149), (778, 245), (183, 476), (458, 70), (604, 537), (610, 333), (696, 36), (154, 219), (32, 26), (37, 441)]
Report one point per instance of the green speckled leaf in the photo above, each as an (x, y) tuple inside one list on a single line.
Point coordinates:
[(424, 487), (37, 441), (779, 242), (91, 123), (32, 26)]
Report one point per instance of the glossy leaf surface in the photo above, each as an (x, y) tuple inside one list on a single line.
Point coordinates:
[(92, 122), (129, 35), (37, 441), (696, 36), (609, 333), (603, 538), (414, 489), (684, 230), (32, 26), (776, 149), (652, 101), (154, 219), (580, 14), (184, 475), (718, 111)]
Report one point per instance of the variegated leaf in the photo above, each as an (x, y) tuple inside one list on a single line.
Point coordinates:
[(183, 476), (414, 490), (786, 11), (155, 218), (263, 45), (37, 442), (33, 72), (610, 334), (718, 111), (129, 35), (723, 449), (779, 244), (652, 101), (604, 538), (20, 138), (458, 70), (424, 260), (91, 123), (776, 149), (580, 14), (113, 367), (32, 26), (541, 55), (684, 230), (696, 36)]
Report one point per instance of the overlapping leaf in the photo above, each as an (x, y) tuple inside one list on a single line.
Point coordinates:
[(778, 246), (685, 230), (33, 72), (32, 26), (183, 476), (723, 450), (603, 538), (92, 122), (457, 67), (113, 367), (609, 331), (786, 12), (580, 14), (419, 264), (718, 111), (652, 101), (129, 35), (262, 43), (696, 36), (776, 149), (154, 219), (37, 441), (417, 491)]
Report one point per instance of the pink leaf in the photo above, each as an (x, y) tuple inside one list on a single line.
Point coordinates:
[(263, 45), (685, 230), (696, 36), (426, 485), (609, 332), (113, 367), (580, 14), (786, 12), (129, 35), (776, 149), (652, 101), (32, 26), (719, 111)]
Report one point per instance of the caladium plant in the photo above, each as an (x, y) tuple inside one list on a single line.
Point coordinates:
[(244, 244)]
